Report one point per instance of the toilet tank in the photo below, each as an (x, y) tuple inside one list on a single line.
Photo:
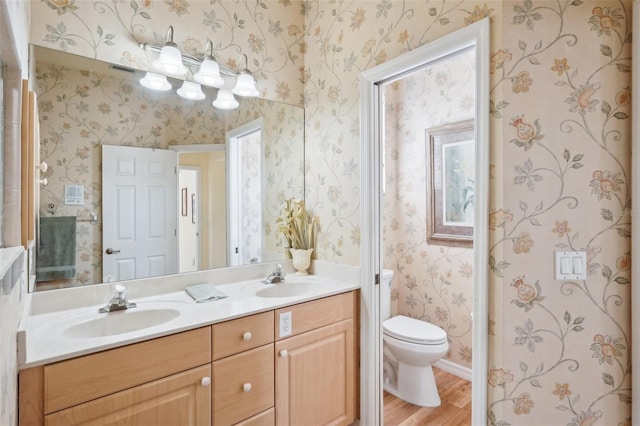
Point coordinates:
[(385, 294)]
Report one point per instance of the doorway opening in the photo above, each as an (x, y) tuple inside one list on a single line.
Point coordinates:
[(372, 98)]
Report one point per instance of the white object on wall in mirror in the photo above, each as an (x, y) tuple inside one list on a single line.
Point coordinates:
[(74, 195)]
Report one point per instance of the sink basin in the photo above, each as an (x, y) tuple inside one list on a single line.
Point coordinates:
[(287, 290), (119, 322)]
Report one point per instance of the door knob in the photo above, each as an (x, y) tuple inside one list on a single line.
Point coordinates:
[(111, 251)]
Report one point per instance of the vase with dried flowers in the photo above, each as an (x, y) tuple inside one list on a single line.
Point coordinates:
[(298, 228)]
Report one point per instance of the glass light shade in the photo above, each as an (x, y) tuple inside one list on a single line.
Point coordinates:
[(191, 90), (245, 85), (209, 74), (225, 100), (155, 82), (170, 61)]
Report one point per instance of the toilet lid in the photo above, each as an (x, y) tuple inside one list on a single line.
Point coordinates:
[(414, 331)]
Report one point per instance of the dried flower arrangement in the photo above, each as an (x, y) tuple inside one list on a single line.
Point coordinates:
[(297, 225)]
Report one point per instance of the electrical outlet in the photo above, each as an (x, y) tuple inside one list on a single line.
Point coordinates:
[(285, 324)]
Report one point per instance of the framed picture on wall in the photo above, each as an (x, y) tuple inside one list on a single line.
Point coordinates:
[(450, 183)]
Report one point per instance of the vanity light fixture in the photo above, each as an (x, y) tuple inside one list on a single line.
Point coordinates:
[(245, 84), (170, 60), (155, 82), (210, 73), (191, 91), (225, 100)]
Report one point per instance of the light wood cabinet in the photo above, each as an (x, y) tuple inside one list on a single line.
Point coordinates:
[(150, 382), (238, 372), (316, 369), (238, 335), (243, 385), (180, 399)]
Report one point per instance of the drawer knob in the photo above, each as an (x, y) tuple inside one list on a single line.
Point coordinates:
[(246, 387), (284, 353), (247, 336), (206, 381)]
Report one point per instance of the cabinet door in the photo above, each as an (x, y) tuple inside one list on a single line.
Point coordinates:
[(315, 377), (181, 399)]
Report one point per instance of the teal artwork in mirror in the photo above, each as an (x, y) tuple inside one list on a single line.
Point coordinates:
[(85, 104)]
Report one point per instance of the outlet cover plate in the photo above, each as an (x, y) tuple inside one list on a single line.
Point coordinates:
[(285, 324)]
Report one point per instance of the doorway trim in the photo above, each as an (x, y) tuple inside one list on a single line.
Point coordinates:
[(234, 249), (477, 35)]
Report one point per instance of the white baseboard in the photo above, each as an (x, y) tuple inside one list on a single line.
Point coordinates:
[(453, 368)]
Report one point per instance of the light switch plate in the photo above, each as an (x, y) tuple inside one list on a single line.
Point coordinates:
[(571, 265)]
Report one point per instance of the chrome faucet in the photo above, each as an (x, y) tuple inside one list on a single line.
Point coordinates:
[(119, 300), (276, 276)]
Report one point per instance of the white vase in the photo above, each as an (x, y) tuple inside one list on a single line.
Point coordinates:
[(301, 260)]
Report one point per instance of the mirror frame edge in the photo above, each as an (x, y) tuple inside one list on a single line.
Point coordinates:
[(635, 222), (478, 35)]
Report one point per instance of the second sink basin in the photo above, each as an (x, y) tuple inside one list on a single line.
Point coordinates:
[(287, 289), (119, 322)]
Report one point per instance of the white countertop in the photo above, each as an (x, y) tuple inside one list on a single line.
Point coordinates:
[(44, 335)]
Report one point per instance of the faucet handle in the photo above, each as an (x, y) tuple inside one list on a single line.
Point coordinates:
[(278, 268), (120, 291)]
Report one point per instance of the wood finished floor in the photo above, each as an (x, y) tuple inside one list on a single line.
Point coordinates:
[(455, 409)]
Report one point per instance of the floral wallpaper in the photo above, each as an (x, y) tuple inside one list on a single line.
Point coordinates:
[(560, 144), (431, 282), (80, 111), (269, 33)]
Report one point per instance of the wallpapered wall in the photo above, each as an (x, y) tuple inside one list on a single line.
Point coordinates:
[(431, 282), (80, 111), (559, 352)]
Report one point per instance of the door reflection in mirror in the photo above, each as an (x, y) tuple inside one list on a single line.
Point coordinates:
[(245, 193)]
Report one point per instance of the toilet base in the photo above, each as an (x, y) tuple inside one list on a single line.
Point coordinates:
[(423, 392)]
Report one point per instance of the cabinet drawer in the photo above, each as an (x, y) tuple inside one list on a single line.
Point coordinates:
[(78, 380), (317, 313), (181, 399), (233, 401), (232, 337), (266, 418)]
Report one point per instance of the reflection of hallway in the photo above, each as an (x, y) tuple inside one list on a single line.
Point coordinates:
[(455, 409)]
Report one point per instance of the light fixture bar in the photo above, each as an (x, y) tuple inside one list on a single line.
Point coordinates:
[(189, 59)]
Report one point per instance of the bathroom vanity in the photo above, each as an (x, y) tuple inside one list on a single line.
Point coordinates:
[(247, 360)]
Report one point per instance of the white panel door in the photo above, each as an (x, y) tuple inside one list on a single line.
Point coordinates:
[(139, 207)]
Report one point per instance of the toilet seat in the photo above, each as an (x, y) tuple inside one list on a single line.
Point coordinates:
[(414, 331)]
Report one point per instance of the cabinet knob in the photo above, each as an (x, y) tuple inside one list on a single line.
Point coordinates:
[(284, 353), (44, 182), (42, 166), (247, 336), (206, 381), (246, 387)]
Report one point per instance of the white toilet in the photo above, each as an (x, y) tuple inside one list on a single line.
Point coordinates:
[(410, 347)]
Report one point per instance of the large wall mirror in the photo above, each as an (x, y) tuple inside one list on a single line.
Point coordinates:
[(99, 128)]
